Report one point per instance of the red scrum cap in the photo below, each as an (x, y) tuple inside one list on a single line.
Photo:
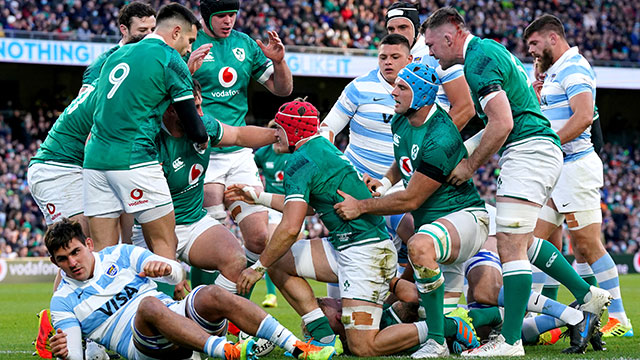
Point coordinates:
[(298, 119)]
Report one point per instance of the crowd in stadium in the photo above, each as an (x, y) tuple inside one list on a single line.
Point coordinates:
[(23, 225), (604, 30)]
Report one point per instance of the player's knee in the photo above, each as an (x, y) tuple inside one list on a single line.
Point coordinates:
[(150, 308), (581, 219), (484, 294)]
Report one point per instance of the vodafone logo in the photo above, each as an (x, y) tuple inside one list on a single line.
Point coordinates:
[(227, 76), (136, 194), (279, 175), (636, 262), (51, 208), (194, 173), (3, 269), (405, 166)]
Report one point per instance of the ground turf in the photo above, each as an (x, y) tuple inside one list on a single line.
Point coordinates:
[(20, 303)]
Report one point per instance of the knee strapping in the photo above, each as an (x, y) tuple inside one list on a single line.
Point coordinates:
[(441, 240), (550, 215), (514, 218), (581, 219), (240, 210), (217, 212), (361, 317), (214, 328)]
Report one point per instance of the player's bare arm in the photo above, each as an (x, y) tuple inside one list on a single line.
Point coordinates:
[(247, 136), (499, 125), (459, 96), (582, 107), (418, 190), (283, 237), (281, 81)]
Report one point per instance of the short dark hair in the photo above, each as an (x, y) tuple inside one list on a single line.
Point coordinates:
[(60, 234), (544, 23), (134, 9), (179, 12), (197, 88), (442, 16), (395, 39)]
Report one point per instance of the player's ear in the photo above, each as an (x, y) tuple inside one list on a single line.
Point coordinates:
[(89, 243), (53, 260), (175, 33)]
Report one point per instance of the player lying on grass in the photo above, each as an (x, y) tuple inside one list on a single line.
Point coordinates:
[(108, 297), (202, 241), (358, 254), (451, 222)]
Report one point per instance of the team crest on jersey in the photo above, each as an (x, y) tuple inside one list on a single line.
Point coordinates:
[(112, 271), (239, 53), (195, 173), (405, 166), (227, 76), (279, 175), (414, 151), (396, 139), (269, 165)]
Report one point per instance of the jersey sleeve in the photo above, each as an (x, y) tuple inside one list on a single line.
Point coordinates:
[(576, 79), (62, 315), (258, 156), (343, 110), (262, 67), (298, 179), (178, 79), (214, 129), (484, 76), (431, 164)]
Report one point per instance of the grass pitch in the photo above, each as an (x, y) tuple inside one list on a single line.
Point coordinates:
[(20, 303)]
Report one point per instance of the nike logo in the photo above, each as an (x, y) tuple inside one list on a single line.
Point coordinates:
[(535, 302), (377, 99), (583, 333), (565, 205), (551, 259)]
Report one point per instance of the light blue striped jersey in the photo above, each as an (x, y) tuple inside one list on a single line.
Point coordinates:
[(367, 106), (105, 305), (445, 76), (570, 75)]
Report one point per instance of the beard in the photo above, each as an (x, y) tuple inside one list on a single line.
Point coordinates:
[(545, 61), (135, 38)]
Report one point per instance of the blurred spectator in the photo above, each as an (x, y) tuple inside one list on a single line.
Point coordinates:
[(607, 30)]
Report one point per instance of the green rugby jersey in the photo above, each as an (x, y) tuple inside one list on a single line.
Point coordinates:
[(225, 75), (66, 139), (137, 84), (488, 64), (92, 72), (272, 165), (313, 174), (184, 169), (434, 148)]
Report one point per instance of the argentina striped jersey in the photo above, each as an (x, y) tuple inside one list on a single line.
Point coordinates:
[(104, 306), (367, 106), (445, 76), (570, 75)]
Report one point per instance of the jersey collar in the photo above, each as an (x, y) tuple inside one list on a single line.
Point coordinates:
[(466, 44), (429, 116), (155, 36), (567, 54)]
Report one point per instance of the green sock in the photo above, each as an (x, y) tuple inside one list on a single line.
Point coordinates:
[(450, 327), (271, 288), (490, 316), (548, 259), (200, 277), (516, 277), (550, 291), (320, 328), (166, 288), (433, 302), (591, 280)]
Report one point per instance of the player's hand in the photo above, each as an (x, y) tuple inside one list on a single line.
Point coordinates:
[(155, 269), (181, 290), (242, 192), (247, 278), (349, 208), (58, 344), (197, 57), (461, 173), (372, 184), (275, 49)]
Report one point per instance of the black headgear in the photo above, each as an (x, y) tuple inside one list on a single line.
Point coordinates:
[(405, 10), (208, 8)]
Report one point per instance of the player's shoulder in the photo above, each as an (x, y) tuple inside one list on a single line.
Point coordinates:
[(262, 152)]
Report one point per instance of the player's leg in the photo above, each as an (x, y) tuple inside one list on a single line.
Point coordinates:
[(126, 227), (215, 248), (270, 299), (548, 227), (315, 259)]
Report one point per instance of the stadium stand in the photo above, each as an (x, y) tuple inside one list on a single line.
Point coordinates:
[(606, 31)]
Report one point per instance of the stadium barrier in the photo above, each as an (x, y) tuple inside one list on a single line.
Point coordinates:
[(40, 269)]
